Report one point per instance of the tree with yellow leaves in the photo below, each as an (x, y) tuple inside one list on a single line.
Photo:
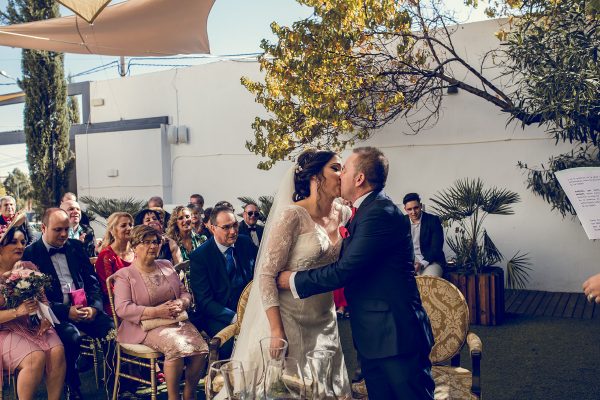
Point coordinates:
[(355, 65)]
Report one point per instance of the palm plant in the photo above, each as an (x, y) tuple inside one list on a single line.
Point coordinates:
[(104, 207), (467, 204), (264, 205)]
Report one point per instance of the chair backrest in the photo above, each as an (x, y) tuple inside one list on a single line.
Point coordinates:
[(183, 269), (109, 286), (449, 316), (241, 307)]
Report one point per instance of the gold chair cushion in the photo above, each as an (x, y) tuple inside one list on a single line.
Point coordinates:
[(452, 383), (140, 350), (448, 313)]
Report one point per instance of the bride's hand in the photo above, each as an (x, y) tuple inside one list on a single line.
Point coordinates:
[(275, 346), (283, 280)]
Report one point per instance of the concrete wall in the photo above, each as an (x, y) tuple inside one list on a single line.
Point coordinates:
[(471, 139)]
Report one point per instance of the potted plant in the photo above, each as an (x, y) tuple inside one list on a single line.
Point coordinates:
[(465, 206)]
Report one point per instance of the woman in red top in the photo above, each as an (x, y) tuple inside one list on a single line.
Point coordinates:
[(116, 253)]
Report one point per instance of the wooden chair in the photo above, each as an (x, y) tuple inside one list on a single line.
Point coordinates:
[(183, 269), (230, 332), (90, 347), (449, 315), (136, 354)]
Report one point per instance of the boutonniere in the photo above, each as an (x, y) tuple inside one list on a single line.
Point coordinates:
[(344, 232)]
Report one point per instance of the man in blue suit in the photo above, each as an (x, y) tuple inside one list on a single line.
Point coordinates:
[(390, 328), (219, 271)]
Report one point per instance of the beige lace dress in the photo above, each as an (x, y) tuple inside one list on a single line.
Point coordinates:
[(296, 243), (177, 340)]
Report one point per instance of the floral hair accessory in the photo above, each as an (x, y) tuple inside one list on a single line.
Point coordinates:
[(298, 169)]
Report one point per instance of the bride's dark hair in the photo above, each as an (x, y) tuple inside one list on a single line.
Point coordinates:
[(310, 163)]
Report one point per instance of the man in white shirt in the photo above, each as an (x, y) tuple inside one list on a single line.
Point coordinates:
[(427, 237)]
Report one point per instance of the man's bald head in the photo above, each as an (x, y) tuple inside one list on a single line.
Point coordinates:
[(72, 208)]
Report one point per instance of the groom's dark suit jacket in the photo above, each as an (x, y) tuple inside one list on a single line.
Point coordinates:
[(82, 272), (376, 269), (215, 299)]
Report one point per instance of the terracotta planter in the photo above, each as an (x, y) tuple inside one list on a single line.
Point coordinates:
[(484, 293)]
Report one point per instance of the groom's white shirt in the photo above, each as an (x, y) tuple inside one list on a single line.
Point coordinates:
[(356, 204)]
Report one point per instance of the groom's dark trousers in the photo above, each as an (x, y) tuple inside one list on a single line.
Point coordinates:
[(390, 328)]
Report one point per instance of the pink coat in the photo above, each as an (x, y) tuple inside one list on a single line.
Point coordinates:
[(132, 297)]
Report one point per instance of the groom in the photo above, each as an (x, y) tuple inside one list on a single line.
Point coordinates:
[(390, 328)]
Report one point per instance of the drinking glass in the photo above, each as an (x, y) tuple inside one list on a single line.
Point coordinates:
[(319, 362), (240, 379), (214, 380), (284, 380), (272, 349)]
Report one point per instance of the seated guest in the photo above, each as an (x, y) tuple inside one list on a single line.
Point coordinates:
[(249, 226), (181, 231), (8, 209), (197, 200), (225, 204), (65, 261), (196, 217), (151, 289), (169, 250), (116, 252), (427, 236), (32, 352), (85, 220), (219, 271), (157, 202), (206, 222), (78, 230)]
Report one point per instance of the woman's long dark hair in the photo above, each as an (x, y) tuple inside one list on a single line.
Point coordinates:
[(310, 163)]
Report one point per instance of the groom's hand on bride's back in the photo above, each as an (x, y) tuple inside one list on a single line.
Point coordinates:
[(283, 280)]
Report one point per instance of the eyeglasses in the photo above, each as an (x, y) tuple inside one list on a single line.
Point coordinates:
[(229, 227), (150, 242), (253, 213)]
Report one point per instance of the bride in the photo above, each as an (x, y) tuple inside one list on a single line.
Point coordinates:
[(302, 232)]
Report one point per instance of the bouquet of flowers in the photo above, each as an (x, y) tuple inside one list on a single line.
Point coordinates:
[(23, 284)]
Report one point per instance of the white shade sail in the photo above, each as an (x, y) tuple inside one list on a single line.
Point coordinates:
[(86, 9), (134, 28)]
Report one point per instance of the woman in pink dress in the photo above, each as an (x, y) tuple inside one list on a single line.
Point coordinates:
[(151, 289), (116, 252), (31, 351)]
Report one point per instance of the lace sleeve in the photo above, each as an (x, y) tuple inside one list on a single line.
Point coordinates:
[(344, 212), (275, 256)]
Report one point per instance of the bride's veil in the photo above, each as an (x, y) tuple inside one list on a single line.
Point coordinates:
[(255, 325)]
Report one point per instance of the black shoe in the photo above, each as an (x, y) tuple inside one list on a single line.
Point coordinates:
[(73, 393)]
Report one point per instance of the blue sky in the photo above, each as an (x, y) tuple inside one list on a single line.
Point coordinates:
[(234, 27)]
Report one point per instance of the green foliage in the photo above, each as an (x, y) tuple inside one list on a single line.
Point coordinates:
[(543, 182), (46, 122), (465, 205), (105, 207), (18, 185), (264, 204)]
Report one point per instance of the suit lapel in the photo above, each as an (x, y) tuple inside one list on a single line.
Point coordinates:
[(139, 289), (359, 213), (46, 266)]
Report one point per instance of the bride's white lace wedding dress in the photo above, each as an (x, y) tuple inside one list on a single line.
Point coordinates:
[(296, 243)]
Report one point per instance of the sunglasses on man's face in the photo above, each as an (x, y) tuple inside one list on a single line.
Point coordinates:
[(253, 213)]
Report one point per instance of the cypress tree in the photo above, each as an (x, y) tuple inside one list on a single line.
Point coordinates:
[(46, 122)]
